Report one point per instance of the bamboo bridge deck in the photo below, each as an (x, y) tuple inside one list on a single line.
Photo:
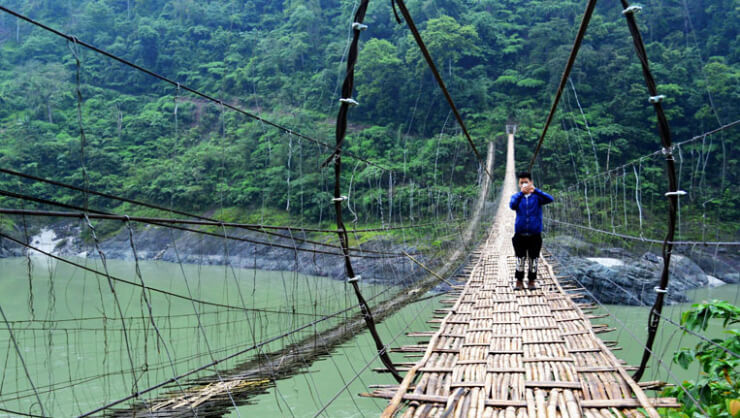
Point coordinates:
[(505, 353)]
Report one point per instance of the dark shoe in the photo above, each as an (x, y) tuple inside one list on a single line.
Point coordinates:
[(519, 275), (531, 279)]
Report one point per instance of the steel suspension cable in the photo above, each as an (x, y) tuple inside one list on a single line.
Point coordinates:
[(21, 414), (564, 78), (172, 226), (654, 153), (223, 359), (220, 102), (369, 363), (430, 62), (341, 131), (643, 239), (214, 222), (672, 195), (166, 222), (672, 322), (634, 337), (23, 362), (146, 287)]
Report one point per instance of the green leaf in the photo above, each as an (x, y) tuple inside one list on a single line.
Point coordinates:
[(684, 357)]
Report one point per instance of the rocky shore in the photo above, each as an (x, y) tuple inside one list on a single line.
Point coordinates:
[(613, 275), (157, 243), (616, 276)]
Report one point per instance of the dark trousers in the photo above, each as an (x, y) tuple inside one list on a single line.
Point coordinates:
[(527, 245)]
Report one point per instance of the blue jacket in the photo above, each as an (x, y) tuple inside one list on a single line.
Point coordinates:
[(529, 211)]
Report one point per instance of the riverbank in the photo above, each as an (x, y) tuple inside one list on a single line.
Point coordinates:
[(619, 276), (381, 259), (613, 275)]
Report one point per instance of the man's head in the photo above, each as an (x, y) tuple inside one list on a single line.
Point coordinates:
[(524, 178)]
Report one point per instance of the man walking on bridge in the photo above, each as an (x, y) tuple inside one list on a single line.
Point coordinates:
[(527, 238)]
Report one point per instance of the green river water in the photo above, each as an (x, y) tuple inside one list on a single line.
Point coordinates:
[(70, 336)]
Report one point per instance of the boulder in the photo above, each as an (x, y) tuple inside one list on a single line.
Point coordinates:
[(632, 280), (722, 266)]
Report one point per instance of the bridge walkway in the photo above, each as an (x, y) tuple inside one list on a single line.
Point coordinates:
[(505, 353)]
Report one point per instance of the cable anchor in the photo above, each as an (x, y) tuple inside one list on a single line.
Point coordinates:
[(339, 199), (354, 279), (636, 8), (676, 193), (358, 26), (659, 289), (350, 101), (656, 99)]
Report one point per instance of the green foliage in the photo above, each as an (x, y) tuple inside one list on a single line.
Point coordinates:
[(718, 387), (284, 61)]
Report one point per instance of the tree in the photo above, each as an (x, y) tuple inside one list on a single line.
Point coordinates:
[(377, 82)]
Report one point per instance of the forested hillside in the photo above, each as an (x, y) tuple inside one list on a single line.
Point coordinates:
[(284, 60)]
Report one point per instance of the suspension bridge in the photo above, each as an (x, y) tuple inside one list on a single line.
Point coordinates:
[(493, 351), (502, 352)]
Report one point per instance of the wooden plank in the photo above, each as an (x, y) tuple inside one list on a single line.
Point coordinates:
[(544, 342), (467, 384), (596, 369), (643, 400), (506, 370), (384, 370), (535, 328), (629, 403), (505, 352), (568, 319), (449, 321), (436, 369), (505, 403), (446, 350), (421, 333), (572, 333), (407, 397), (553, 384), (584, 350), (604, 330), (555, 359)]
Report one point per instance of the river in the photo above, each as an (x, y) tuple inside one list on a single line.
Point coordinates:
[(67, 325), (303, 396)]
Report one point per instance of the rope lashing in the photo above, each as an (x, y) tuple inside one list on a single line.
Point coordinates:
[(354, 279), (676, 193), (348, 100), (632, 9)]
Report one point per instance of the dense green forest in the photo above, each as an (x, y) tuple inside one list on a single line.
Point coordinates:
[(502, 61)]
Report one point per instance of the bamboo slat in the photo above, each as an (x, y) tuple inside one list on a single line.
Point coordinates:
[(514, 354)]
